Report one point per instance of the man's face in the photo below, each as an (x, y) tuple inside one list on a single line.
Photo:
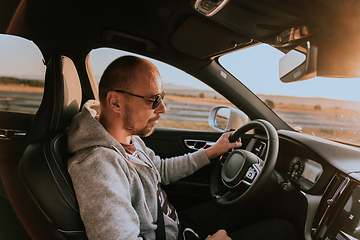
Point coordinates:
[(138, 116)]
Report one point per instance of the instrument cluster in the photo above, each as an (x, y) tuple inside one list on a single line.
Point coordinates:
[(304, 171)]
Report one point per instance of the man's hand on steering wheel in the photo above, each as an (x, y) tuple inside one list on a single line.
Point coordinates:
[(222, 145)]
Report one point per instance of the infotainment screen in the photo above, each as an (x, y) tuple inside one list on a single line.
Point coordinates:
[(346, 225)]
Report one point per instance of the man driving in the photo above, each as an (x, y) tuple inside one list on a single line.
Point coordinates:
[(115, 176)]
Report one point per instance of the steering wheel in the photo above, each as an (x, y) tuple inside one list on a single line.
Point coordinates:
[(243, 175)]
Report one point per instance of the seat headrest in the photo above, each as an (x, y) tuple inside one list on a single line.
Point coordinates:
[(61, 100)]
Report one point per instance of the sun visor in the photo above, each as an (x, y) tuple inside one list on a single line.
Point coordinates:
[(199, 38)]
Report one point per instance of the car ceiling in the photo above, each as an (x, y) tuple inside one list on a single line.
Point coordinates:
[(174, 32)]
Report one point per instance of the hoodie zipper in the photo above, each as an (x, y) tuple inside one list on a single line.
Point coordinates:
[(130, 163), (148, 163), (151, 165)]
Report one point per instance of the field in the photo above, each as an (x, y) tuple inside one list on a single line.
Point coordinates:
[(197, 100), (203, 126), (20, 88)]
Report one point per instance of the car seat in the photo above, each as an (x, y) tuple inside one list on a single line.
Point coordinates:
[(45, 201)]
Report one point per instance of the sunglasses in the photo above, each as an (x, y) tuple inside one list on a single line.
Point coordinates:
[(156, 100)]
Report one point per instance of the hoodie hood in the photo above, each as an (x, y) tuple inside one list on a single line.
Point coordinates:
[(85, 130)]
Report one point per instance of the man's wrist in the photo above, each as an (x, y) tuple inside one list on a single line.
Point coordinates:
[(210, 153)]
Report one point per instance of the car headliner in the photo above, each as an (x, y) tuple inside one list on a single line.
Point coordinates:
[(173, 32)]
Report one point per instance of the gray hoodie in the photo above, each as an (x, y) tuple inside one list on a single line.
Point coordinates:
[(117, 191)]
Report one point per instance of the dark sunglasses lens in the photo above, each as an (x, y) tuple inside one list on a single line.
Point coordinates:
[(157, 101)]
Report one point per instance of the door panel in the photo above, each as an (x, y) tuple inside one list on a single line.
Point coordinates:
[(168, 142), (13, 141), (13, 129)]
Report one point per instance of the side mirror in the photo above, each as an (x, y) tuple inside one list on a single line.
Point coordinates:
[(298, 65), (225, 118)]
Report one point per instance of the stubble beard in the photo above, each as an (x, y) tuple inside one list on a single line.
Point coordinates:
[(128, 124)]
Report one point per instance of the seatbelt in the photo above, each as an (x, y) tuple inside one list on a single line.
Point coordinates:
[(160, 231)]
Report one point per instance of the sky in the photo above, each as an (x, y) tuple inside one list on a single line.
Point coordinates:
[(257, 67), (20, 57)]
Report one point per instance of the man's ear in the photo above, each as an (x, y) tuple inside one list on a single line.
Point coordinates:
[(112, 100)]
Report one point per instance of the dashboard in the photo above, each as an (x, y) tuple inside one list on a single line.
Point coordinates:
[(328, 176), (318, 183)]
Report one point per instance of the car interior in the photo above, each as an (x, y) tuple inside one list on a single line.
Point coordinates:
[(37, 199)]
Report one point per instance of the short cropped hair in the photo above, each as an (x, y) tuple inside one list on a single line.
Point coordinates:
[(120, 74)]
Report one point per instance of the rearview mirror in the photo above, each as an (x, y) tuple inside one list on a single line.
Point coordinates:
[(225, 118), (298, 65)]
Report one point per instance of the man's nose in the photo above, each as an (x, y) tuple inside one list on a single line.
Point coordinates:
[(161, 108)]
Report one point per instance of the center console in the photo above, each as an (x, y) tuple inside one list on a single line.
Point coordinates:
[(338, 216)]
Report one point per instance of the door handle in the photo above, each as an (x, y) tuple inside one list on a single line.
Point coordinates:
[(197, 144), (7, 134)]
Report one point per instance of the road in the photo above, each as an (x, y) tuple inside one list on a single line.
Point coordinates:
[(29, 102), (20, 101)]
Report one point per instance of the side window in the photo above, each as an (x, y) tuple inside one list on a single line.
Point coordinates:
[(21, 75), (188, 101)]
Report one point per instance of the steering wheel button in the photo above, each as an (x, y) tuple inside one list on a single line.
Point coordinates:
[(251, 174)]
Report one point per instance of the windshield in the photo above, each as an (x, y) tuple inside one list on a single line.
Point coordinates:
[(323, 107)]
